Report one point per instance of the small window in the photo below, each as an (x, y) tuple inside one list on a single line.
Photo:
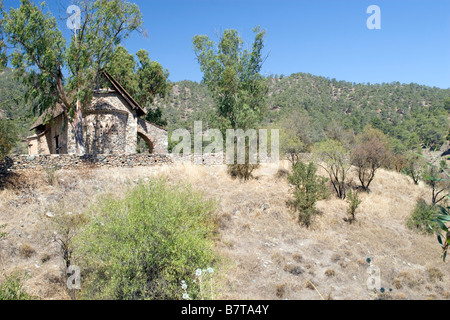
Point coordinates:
[(57, 144)]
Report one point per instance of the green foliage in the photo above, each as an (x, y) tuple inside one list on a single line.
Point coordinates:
[(2, 233), (143, 245), (436, 176), (152, 79), (233, 77), (155, 116), (11, 288), (447, 104), (415, 164), (441, 221), (14, 108), (298, 134), (306, 107), (335, 159), (8, 137), (422, 217), (42, 56), (291, 146), (308, 189), (144, 79), (353, 201)]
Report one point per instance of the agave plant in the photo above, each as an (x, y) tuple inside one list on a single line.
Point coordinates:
[(443, 233)]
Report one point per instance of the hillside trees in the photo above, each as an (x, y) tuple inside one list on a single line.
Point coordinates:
[(233, 77), (401, 111), (41, 53)]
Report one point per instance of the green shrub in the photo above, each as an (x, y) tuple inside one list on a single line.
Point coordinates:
[(353, 201), (144, 245), (308, 189), (2, 233), (422, 217), (8, 137), (11, 288)]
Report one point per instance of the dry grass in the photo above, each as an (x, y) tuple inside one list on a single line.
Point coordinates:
[(265, 253)]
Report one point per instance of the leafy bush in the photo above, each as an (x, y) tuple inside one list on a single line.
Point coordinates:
[(422, 217), (11, 288), (309, 188), (415, 165), (144, 245), (8, 137), (353, 204)]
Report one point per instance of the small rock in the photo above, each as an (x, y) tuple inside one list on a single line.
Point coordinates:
[(265, 207), (50, 214)]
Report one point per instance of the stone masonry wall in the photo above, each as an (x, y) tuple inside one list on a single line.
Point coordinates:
[(158, 136), (69, 161)]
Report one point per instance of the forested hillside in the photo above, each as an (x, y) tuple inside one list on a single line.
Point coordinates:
[(13, 107), (410, 114)]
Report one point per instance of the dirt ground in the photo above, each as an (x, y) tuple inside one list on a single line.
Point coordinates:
[(264, 252)]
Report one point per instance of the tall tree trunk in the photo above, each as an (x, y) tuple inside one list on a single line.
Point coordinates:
[(78, 126)]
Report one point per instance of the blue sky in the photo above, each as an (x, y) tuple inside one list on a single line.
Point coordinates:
[(322, 37)]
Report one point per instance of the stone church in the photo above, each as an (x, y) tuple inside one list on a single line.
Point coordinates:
[(111, 125)]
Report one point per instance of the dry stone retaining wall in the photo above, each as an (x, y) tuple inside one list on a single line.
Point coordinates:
[(70, 161)]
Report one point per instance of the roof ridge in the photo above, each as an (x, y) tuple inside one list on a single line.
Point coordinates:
[(123, 92)]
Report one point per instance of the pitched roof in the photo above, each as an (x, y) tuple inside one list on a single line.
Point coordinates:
[(49, 114), (128, 98), (58, 110)]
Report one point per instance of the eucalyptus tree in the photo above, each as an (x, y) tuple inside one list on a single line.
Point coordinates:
[(232, 74), (233, 77), (58, 71)]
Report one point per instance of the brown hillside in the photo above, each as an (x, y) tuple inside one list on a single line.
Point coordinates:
[(265, 253)]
